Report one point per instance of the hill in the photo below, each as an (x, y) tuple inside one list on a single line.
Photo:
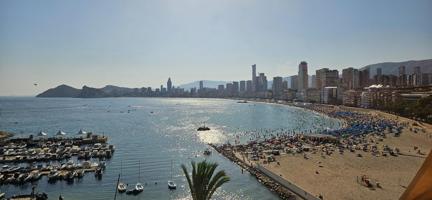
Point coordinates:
[(393, 67), (61, 91)]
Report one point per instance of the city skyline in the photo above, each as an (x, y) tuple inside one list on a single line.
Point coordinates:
[(54, 43)]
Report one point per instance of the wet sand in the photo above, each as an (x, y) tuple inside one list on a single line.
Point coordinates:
[(338, 176)]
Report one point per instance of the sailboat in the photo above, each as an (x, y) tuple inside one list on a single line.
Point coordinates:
[(121, 187), (139, 186), (171, 184)]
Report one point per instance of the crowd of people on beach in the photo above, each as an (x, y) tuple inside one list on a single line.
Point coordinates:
[(351, 135)]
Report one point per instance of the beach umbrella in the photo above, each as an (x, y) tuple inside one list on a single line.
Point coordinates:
[(60, 133), (81, 132), (42, 134)]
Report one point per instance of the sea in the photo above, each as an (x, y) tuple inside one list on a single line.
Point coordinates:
[(153, 137)]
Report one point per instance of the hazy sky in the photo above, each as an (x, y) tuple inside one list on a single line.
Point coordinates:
[(142, 43)]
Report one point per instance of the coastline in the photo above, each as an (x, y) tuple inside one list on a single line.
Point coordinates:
[(324, 175)]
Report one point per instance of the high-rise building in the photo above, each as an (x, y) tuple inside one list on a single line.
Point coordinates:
[(294, 82), (262, 83), (402, 79), (417, 76), (285, 85), (201, 85), (242, 86), (303, 76), (313, 81), (221, 88), (235, 88), (350, 78), (254, 78), (249, 86), (327, 78), (277, 86), (364, 78), (229, 89), (169, 84), (378, 77)]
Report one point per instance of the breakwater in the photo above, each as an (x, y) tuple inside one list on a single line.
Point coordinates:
[(281, 191)]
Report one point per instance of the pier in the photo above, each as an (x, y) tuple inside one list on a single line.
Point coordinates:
[(282, 191)]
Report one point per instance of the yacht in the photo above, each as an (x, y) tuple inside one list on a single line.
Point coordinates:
[(138, 186), (121, 187), (171, 184), (203, 128)]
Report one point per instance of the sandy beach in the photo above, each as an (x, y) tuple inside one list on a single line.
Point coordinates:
[(338, 176)]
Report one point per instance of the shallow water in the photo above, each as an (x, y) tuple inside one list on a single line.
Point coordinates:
[(153, 132)]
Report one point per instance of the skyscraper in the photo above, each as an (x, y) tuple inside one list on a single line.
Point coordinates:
[(364, 78), (262, 83), (201, 85), (326, 78), (417, 76), (254, 79), (277, 86), (313, 81), (235, 88), (294, 82), (350, 78), (242, 86), (169, 84), (249, 86), (402, 79), (303, 76)]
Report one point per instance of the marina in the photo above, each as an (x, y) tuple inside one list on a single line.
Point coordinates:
[(27, 160)]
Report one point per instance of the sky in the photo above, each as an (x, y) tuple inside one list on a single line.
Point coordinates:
[(142, 43)]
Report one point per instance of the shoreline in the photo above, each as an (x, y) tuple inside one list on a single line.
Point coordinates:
[(268, 182), (404, 126)]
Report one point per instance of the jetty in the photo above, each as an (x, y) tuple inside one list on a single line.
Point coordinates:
[(283, 192)]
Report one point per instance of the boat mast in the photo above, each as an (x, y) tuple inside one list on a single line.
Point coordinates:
[(118, 180), (139, 170)]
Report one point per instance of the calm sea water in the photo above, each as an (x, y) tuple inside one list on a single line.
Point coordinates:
[(153, 132)]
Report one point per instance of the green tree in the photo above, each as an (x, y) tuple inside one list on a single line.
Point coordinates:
[(202, 182)]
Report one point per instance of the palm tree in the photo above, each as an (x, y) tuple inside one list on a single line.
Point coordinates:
[(202, 183)]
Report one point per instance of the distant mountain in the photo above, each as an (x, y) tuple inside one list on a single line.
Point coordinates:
[(207, 84), (61, 91), (88, 92), (393, 67), (118, 91)]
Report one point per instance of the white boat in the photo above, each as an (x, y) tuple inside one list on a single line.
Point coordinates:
[(42, 134), (81, 132), (122, 187), (171, 184), (139, 187)]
